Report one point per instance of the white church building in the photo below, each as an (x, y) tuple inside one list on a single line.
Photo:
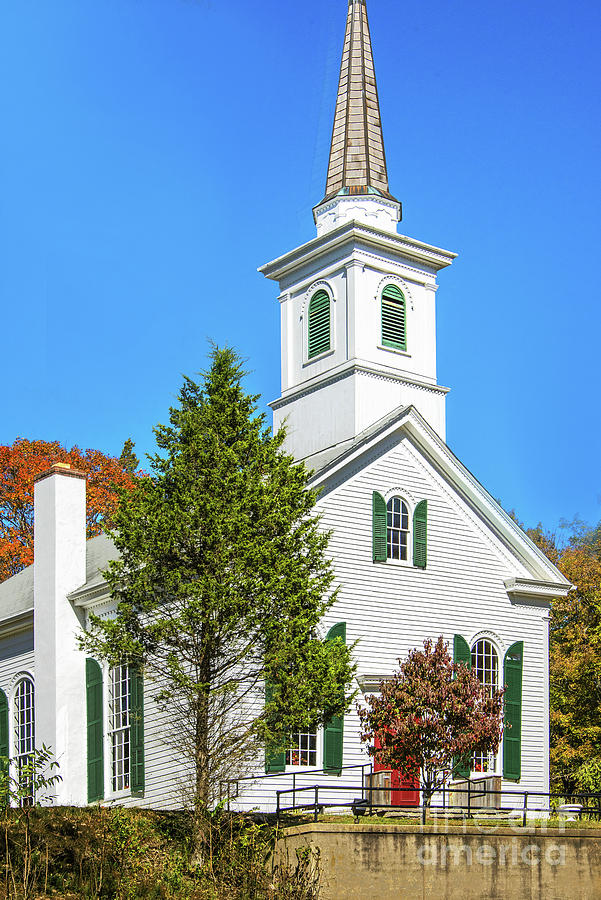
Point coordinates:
[(420, 549)]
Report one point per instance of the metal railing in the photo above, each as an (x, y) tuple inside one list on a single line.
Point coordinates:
[(589, 803), (226, 785)]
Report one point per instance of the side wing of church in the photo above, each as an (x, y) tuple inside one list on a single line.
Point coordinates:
[(420, 549)]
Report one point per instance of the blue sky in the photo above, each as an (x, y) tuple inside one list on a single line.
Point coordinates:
[(155, 152)]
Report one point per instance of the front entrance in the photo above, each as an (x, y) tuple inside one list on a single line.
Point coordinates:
[(404, 791)]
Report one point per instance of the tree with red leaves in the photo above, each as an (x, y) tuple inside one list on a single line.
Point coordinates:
[(430, 714), (23, 461)]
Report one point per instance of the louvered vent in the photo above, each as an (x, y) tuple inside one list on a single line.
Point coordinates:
[(394, 332), (319, 324)]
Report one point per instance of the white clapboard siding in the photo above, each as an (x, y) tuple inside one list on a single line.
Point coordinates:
[(391, 608)]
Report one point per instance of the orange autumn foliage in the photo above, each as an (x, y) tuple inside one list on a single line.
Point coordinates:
[(21, 463)]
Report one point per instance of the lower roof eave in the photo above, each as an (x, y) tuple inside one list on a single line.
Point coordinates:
[(529, 589)]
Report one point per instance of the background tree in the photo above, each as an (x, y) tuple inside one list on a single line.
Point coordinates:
[(430, 714), (575, 666), (575, 657), (21, 462), (222, 582)]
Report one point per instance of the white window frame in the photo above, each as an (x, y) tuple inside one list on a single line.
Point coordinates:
[(492, 760), (409, 502), (23, 729), (118, 732), (301, 767)]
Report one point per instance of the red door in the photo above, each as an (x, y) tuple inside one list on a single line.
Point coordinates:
[(404, 790)]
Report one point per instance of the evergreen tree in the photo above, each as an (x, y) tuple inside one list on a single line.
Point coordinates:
[(128, 458), (222, 582)]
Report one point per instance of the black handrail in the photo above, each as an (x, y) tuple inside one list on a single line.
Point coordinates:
[(318, 804), (236, 781)]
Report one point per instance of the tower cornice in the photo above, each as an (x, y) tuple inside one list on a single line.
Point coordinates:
[(434, 258)]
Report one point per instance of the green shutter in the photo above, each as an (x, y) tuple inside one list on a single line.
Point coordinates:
[(379, 527), (461, 651), (333, 733), (319, 324), (136, 714), (275, 761), (420, 535), (512, 737), (462, 654), (3, 746), (95, 720), (394, 324)]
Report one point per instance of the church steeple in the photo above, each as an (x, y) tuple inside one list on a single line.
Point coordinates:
[(357, 158), (357, 180), (358, 303)]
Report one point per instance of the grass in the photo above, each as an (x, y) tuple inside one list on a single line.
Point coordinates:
[(553, 823)]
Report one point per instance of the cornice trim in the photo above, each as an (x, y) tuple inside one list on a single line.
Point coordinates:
[(531, 588), (401, 245), (355, 369), (84, 597), (17, 623)]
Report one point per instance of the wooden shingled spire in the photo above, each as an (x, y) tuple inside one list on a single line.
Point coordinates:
[(357, 159)]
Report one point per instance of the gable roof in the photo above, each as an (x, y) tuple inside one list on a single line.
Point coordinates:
[(331, 467), (16, 594)]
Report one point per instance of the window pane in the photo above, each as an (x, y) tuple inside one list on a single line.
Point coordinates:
[(24, 731), (397, 534), (303, 749), (485, 665), (119, 727)]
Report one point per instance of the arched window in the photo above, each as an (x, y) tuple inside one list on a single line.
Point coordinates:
[(486, 666), (24, 731), (394, 321), (318, 335), (397, 529)]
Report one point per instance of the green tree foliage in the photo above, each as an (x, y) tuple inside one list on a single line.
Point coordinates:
[(430, 714), (222, 582), (575, 658)]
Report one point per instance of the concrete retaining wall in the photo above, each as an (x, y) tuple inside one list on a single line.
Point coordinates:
[(383, 862)]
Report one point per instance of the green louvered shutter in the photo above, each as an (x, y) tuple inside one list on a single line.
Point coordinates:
[(333, 733), (3, 747), (462, 654), (394, 330), (319, 324), (512, 737), (420, 535), (136, 713), (275, 761), (95, 720), (379, 527)]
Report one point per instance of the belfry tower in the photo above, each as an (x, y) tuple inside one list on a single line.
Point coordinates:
[(358, 311)]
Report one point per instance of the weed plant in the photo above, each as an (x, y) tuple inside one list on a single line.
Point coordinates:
[(126, 854)]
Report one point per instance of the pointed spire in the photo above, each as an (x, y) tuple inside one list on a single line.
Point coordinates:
[(357, 159)]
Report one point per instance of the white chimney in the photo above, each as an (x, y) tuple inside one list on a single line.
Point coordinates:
[(59, 568)]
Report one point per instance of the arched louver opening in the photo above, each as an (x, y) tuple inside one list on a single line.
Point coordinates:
[(394, 320), (319, 324)]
